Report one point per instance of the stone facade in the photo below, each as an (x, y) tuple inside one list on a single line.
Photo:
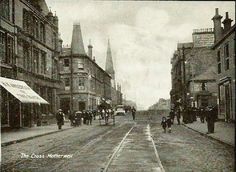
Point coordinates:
[(224, 51), (85, 82), (189, 62), (29, 50)]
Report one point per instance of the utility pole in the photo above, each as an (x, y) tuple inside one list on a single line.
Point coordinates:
[(184, 85), (71, 84)]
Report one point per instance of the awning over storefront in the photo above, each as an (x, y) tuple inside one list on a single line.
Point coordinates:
[(21, 91)]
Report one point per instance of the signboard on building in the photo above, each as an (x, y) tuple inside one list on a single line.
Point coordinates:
[(203, 38), (21, 91)]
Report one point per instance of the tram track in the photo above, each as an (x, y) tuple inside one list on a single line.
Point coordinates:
[(121, 144)]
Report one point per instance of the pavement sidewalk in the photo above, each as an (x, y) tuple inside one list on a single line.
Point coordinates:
[(224, 132), (19, 135)]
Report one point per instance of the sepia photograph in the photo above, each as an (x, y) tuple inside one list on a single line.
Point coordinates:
[(117, 86)]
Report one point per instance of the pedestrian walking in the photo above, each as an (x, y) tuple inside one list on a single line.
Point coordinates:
[(202, 114), (90, 117), (211, 114), (169, 123), (60, 118), (178, 115), (133, 110), (172, 116), (164, 123)]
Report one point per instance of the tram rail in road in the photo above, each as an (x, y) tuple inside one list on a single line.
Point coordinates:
[(118, 148)]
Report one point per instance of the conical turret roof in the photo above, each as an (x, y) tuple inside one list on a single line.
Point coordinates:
[(109, 63), (77, 45)]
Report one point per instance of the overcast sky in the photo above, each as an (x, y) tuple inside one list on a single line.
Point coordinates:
[(143, 37)]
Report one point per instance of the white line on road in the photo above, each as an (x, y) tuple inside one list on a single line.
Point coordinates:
[(161, 169), (117, 149)]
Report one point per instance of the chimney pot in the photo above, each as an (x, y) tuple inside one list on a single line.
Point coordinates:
[(217, 11), (226, 15)]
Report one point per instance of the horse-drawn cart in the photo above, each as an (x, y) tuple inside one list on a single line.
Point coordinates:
[(106, 113)]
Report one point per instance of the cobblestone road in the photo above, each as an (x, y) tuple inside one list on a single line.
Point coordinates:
[(91, 147)]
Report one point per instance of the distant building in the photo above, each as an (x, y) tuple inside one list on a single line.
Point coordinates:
[(29, 48), (224, 49), (85, 82), (162, 104), (189, 62)]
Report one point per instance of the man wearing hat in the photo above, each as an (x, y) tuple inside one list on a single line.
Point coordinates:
[(60, 118)]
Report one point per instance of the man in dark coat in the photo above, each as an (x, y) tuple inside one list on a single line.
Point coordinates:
[(133, 110), (202, 114), (211, 114), (60, 118), (169, 123), (178, 115), (172, 116)]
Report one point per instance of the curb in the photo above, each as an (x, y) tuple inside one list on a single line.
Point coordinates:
[(208, 136), (31, 137)]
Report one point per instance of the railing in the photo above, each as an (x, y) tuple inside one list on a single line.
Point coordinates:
[(203, 30)]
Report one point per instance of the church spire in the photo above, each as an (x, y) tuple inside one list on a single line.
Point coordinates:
[(77, 45), (109, 63)]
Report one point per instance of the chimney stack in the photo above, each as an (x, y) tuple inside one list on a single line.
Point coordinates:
[(217, 25), (227, 23)]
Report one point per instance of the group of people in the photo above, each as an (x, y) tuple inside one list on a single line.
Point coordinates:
[(208, 113)]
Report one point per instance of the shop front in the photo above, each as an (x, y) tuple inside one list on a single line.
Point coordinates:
[(17, 100)]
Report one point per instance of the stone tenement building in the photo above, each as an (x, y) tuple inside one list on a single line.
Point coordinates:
[(224, 49), (193, 79), (86, 83), (29, 49)]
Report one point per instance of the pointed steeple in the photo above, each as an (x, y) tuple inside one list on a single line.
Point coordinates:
[(77, 45), (109, 63)]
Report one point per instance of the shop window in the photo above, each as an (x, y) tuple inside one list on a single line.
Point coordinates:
[(5, 9)]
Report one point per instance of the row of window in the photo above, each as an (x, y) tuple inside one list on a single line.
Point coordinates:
[(33, 25), (225, 59), (36, 63), (81, 84), (7, 48)]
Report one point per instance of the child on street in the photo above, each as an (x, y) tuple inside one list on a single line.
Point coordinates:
[(164, 123)]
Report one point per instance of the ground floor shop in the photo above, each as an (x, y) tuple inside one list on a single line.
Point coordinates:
[(226, 99), (26, 104), (80, 102)]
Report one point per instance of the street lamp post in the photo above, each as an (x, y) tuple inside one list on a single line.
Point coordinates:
[(184, 86)]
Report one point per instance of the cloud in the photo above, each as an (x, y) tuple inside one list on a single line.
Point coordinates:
[(143, 37)]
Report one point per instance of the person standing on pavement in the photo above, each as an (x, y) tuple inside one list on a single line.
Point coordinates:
[(172, 116), (133, 112), (169, 123), (60, 118), (178, 115), (202, 114), (211, 114)]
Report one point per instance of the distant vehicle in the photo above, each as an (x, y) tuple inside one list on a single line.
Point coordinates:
[(120, 110)]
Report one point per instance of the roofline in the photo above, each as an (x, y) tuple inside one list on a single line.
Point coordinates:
[(232, 29), (86, 56)]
